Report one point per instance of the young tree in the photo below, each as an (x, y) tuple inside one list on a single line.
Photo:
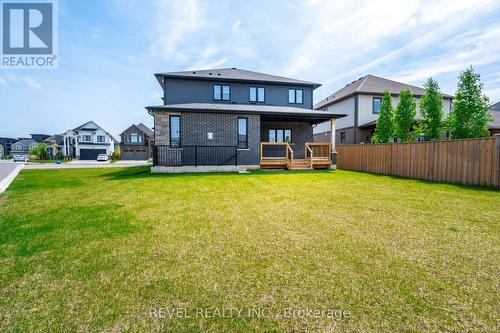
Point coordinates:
[(384, 131), (404, 115), (431, 110), (470, 114)]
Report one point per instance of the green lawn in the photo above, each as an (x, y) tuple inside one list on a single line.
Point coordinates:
[(106, 249)]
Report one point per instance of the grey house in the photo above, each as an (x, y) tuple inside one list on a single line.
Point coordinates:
[(237, 119), (136, 142), (23, 146), (360, 100)]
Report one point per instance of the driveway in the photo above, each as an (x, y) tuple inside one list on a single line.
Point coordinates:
[(8, 172), (6, 167)]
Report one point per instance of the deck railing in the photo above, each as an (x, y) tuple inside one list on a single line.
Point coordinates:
[(277, 152), (165, 155)]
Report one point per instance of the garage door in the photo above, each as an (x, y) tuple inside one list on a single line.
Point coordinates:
[(91, 154), (137, 154)]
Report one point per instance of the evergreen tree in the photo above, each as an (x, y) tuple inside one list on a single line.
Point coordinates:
[(404, 116), (470, 115), (431, 110), (384, 131)]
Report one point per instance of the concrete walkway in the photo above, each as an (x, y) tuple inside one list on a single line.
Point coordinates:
[(86, 164)]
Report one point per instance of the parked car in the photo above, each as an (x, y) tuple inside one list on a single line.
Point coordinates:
[(19, 158), (102, 158)]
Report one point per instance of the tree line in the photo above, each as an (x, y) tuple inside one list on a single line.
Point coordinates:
[(467, 119)]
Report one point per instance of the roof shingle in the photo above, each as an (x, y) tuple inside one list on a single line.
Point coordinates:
[(370, 84), (236, 74)]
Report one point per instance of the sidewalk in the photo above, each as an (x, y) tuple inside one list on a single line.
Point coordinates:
[(87, 164)]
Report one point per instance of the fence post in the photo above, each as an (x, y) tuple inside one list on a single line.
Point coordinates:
[(195, 155), (496, 161), (155, 155)]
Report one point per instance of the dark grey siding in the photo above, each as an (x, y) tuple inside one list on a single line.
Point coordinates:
[(179, 91), (302, 132)]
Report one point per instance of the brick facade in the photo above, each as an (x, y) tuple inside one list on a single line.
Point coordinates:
[(195, 127)]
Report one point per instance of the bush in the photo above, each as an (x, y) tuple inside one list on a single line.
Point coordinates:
[(116, 154), (59, 155)]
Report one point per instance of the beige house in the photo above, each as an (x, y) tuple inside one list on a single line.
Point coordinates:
[(360, 100)]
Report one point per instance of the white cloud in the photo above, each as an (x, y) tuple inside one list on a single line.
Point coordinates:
[(493, 94), (3, 81), (32, 83), (175, 23), (407, 40)]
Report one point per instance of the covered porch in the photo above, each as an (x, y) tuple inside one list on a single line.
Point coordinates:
[(286, 142)]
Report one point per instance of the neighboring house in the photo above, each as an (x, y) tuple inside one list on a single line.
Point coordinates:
[(87, 141), (494, 125), (6, 143), (39, 137), (23, 146), (136, 142), (360, 101), (222, 117), (54, 144)]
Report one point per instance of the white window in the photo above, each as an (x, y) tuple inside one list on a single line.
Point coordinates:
[(86, 138), (101, 138)]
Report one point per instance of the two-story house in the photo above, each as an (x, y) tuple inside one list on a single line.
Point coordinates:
[(87, 141), (360, 100), (7, 143), (136, 142), (23, 146), (236, 119)]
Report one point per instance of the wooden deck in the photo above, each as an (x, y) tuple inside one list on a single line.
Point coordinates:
[(280, 155)]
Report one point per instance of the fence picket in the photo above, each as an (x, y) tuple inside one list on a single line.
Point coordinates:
[(469, 161)]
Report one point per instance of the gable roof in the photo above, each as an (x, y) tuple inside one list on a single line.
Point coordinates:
[(141, 127), (59, 138), (25, 142), (92, 127), (89, 125), (234, 74), (370, 84), (146, 130)]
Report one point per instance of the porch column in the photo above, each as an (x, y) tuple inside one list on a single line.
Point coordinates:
[(64, 147), (76, 147), (333, 133)]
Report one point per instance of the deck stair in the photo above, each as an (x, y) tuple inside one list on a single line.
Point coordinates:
[(300, 164), (280, 155)]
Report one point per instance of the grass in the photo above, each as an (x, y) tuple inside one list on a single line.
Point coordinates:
[(107, 249)]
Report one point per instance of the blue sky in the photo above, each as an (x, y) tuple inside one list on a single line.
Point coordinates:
[(109, 50)]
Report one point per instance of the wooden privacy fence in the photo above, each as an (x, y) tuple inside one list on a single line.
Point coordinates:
[(470, 161)]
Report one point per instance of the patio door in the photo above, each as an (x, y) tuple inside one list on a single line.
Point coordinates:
[(280, 135)]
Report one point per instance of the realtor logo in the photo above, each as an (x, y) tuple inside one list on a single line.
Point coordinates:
[(29, 34)]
